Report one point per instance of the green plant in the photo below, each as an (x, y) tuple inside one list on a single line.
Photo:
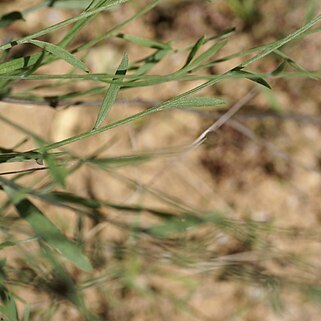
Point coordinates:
[(66, 269), (245, 9)]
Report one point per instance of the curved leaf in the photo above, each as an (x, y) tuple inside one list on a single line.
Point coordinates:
[(111, 93), (60, 53), (46, 230)]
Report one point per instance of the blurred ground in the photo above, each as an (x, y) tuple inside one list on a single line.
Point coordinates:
[(260, 167)]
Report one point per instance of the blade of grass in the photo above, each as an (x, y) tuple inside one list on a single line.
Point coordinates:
[(58, 172), (151, 61), (9, 309), (71, 4), (26, 314), (311, 10), (19, 63), (143, 41), (111, 93), (252, 77), (194, 50), (6, 244), (204, 56), (60, 53), (75, 199), (119, 161), (191, 102), (45, 229)]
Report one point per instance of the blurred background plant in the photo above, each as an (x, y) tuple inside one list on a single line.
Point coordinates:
[(247, 10)]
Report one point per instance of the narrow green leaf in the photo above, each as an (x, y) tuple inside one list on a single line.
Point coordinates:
[(294, 65), (176, 225), (71, 4), (194, 50), (39, 62), (26, 314), (290, 61), (190, 102), (223, 33), (20, 157), (143, 41), (251, 76), (120, 161), (6, 244), (47, 231), (60, 53), (111, 93), (204, 56), (18, 63), (61, 276), (279, 68), (273, 103), (75, 199), (311, 10), (9, 308), (151, 61), (58, 172)]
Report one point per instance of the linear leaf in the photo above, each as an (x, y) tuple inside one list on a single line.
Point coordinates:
[(9, 308), (72, 198), (279, 68), (20, 157), (58, 172), (199, 43), (204, 56), (18, 63), (190, 102), (46, 230), (120, 160), (251, 76), (60, 53), (6, 244), (175, 225), (111, 93), (71, 4), (26, 314), (143, 41), (311, 10), (152, 60)]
